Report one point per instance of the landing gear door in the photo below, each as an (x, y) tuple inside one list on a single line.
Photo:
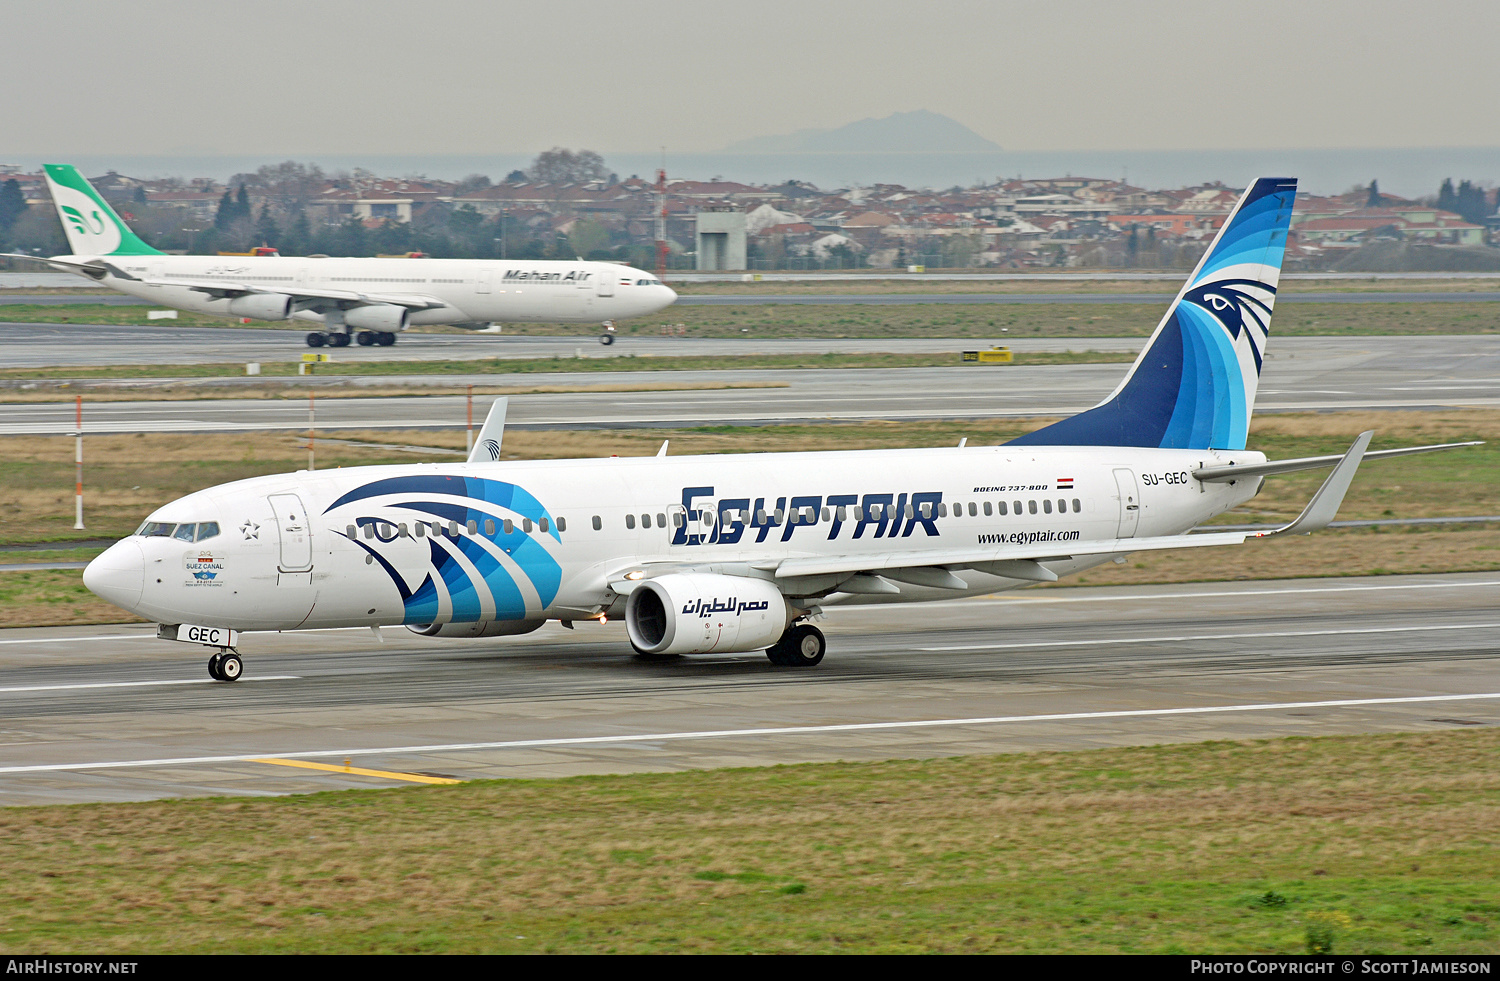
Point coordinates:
[(1130, 502), (294, 530)]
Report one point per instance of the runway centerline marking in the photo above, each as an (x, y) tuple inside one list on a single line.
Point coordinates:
[(658, 737), (1183, 637), (148, 684)]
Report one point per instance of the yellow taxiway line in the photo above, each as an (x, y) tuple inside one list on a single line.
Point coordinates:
[(359, 771)]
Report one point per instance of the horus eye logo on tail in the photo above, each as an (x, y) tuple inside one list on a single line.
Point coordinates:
[(491, 449)]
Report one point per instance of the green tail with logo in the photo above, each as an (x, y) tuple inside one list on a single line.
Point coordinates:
[(90, 223)]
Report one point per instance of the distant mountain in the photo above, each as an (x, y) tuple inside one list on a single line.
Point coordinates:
[(903, 132)]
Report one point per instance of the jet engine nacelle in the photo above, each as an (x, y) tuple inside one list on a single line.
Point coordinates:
[(262, 306), (479, 628), (697, 613), (378, 316)]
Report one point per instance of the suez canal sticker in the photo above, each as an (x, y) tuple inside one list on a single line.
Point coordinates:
[(204, 569)]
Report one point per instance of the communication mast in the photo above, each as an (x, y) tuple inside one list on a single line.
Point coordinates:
[(661, 223)]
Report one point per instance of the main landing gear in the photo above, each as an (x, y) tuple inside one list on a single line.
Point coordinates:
[(802, 646), (226, 666), (365, 338)]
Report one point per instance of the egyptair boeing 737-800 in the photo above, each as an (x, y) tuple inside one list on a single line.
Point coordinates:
[(735, 553), (367, 300)]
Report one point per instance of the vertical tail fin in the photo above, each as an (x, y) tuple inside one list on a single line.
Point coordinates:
[(1193, 386), (90, 223)]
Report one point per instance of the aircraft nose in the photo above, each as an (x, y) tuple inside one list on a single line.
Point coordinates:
[(671, 293), (118, 575)]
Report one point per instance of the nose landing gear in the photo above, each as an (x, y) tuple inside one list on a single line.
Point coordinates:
[(226, 666), (608, 337)]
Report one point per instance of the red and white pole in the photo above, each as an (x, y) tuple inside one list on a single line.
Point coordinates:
[(310, 424), (78, 464), (469, 438)]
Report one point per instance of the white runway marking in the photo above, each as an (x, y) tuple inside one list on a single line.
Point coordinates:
[(656, 737), (1185, 637), (65, 640), (149, 684), (1207, 594)]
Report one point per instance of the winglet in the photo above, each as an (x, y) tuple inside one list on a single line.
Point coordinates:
[(487, 446), (1324, 505)]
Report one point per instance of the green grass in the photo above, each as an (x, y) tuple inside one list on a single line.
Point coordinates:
[(526, 366), (916, 320), (1383, 843)]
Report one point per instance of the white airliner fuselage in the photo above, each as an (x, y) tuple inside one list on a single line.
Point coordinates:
[(504, 546), (429, 291)]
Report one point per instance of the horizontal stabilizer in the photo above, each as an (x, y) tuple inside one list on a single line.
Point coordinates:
[(1324, 506), (1270, 467)]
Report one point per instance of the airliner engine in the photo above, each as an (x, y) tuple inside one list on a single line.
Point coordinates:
[(479, 628), (700, 613), (378, 316), (262, 306)]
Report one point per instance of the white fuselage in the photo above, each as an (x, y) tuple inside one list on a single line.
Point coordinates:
[(529, 541), (470, 290)]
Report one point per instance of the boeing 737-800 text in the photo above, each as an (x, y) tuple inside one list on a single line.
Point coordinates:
[(734, 553), (367, 300)]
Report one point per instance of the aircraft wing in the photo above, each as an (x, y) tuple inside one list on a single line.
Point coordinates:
[(219, 289), (869, 573)]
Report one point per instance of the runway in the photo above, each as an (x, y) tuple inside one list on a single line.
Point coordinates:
[(906, 299), (111, 713), (1300, 374)]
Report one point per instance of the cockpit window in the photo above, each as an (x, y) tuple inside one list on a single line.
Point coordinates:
[(648, 282), (183, 533)]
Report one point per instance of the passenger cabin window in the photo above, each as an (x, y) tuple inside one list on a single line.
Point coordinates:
[(1030, 506), (489, 526), (526, 525), (509, 526), (542, 524), (597, 523), (562, 524), (1077, 506), (661, 521), (1047, 506), (630, 521)]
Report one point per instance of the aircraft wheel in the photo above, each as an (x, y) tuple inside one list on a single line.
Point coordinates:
[(230, 667), (317, 339), (338, 340), (365, 338), (606, 339), (385, 338), (213, 667), (800, 647)]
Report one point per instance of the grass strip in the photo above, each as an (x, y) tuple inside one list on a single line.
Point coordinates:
[(972, 321), (1371, 844), (525, 366)]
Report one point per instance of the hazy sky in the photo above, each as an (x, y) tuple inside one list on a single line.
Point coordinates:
[(309, 77)]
